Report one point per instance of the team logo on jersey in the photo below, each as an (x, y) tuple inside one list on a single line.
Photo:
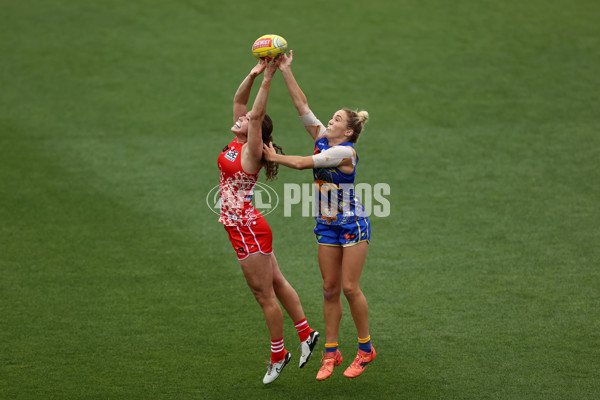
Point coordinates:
[(231, 155)]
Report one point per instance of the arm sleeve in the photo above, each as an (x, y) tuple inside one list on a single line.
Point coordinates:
[(309, 119), (333, 156)]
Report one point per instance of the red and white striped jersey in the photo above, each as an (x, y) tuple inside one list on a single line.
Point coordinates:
[(236, 188)]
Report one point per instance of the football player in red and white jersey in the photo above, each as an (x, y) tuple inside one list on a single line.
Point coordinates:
[(239, 164)]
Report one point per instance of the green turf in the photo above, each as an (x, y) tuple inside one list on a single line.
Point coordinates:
[(118, 282)]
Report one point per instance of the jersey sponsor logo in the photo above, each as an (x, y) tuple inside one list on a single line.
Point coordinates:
[(231, 155)]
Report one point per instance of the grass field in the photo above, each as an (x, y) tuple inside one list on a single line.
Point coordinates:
[(117, 281)]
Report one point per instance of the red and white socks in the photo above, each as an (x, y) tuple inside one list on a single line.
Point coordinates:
[(277, 350), (303, 329), (277, 346)]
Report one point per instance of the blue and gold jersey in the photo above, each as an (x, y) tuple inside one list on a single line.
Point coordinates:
[(336, 203)]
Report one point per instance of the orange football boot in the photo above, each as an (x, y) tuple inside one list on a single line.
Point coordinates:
[(329, 360), (360, 363)]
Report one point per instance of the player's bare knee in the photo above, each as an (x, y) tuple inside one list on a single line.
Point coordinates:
[(352, 292), (331, 291)]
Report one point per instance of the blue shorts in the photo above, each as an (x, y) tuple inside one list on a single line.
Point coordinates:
[(344, 235)]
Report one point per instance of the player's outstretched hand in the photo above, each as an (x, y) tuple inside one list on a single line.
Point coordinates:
[(259, 67), (271, 68), (285, 61)]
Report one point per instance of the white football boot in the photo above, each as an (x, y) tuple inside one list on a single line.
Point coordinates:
[(307, 348), (274, 369)]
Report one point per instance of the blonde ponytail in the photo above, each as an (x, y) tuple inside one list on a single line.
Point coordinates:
[(356, 121), (363, 116)]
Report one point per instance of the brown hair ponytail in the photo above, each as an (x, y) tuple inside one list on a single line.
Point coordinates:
[(271, 168)]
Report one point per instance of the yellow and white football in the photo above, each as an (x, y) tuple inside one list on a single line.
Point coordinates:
[(269, 46)]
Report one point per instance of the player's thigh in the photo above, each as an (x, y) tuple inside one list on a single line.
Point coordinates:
[(330, 263), (258, 271), (353, 262)]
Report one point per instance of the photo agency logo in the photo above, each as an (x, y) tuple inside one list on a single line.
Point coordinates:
[(263, 196), (345, 200), (308, 201)]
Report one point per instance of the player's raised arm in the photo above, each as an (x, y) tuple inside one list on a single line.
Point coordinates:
[(254, 146), (240, 100), (311, 123)]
